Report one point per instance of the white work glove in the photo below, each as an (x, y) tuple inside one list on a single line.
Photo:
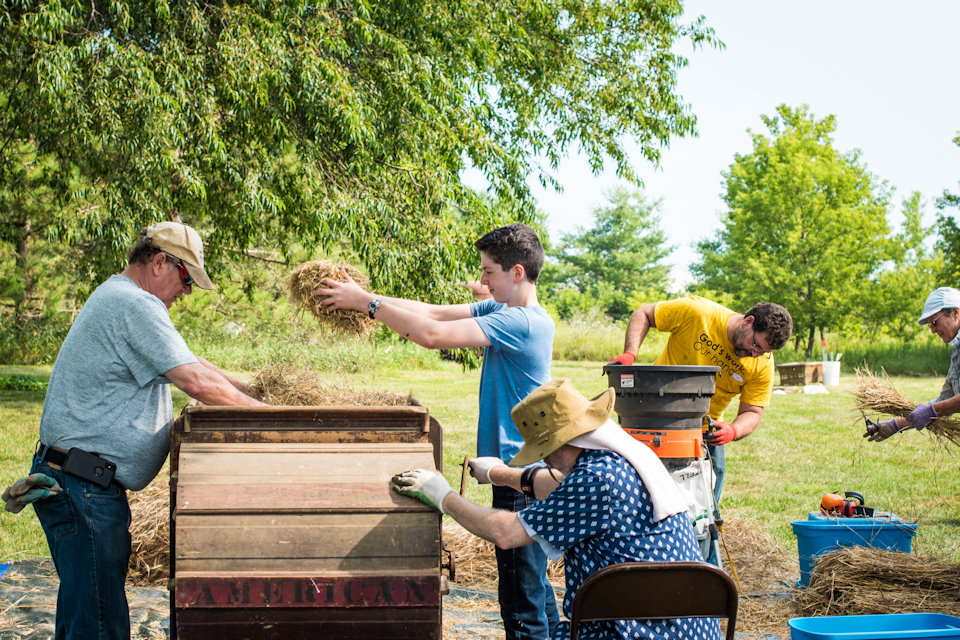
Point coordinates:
[(429, 487), (480, 468)]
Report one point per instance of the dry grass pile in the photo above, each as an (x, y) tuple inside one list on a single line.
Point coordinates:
[(761, 565), (476, 562), (876, 395), (150, 533), (308, 276), (865, 580), (288, 386)]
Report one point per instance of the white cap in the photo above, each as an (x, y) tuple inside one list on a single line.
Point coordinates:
[(184, 243), (942, 298)]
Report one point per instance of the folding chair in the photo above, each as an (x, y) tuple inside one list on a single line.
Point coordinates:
[(655, 590)]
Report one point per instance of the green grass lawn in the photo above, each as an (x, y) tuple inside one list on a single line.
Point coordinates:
[(806, 445)]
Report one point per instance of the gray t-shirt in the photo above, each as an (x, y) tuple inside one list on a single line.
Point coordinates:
[(107, 392)]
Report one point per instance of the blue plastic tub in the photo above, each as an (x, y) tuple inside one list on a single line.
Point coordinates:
[(888, 626), (821, 534)]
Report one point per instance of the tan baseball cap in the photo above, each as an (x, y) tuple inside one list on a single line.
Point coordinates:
[(555, 413), (184, 243)]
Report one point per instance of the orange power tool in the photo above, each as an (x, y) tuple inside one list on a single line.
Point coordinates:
[(833, 505)]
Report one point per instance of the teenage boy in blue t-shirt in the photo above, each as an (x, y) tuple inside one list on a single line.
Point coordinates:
[(517, 336)]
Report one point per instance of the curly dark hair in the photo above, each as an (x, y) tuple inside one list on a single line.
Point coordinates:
[(514, 244), (142, 250), (774, 320)]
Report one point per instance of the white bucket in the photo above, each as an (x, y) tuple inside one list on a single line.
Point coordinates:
[(831, 373)]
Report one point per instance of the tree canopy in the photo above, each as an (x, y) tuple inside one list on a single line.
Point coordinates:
[(615, 262), (805, 227), (343, 124)]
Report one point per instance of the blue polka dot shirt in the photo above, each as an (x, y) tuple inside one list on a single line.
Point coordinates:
[(601, 515)]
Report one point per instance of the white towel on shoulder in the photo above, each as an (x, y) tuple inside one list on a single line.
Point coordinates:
[(664, 493)]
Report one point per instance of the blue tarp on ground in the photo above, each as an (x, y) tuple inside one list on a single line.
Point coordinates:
[(3, 570)]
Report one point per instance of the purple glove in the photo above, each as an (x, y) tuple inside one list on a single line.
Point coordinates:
[(922, 415), (882, 430)]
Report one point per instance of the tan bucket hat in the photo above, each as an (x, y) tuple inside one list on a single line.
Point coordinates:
[(184, 243), (555, 413)]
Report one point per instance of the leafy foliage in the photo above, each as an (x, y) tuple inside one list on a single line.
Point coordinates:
[(614, 264), (806, 225), (343, 125), (21, 383), (910, 274), (948, 241)]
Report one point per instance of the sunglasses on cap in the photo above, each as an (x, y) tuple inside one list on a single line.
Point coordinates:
[(185, 276)]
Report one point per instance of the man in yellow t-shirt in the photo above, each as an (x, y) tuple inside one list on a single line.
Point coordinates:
[(705, 333)]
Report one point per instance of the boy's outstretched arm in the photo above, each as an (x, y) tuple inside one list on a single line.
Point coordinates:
[(430, 325)]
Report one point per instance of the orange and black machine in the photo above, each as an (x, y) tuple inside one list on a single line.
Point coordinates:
[(665, 407)]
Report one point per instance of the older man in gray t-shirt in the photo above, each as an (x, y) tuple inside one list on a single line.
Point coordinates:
[(109, 402)]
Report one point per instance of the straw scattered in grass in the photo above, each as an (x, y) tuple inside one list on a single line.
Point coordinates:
[(308, 276), (879, 396), (150, 533)]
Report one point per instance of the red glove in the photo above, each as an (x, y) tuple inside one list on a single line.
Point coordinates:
[(724, 433), (626, 358)]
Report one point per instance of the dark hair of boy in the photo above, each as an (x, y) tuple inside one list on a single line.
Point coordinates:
[(514, 244)]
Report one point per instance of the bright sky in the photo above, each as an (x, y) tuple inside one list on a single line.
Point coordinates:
[(886, 69)]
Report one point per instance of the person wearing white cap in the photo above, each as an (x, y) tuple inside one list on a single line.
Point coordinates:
[(605, 498), (940, 313), (105, 427)]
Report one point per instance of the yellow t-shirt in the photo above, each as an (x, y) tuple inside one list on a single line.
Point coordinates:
[(698, 336)]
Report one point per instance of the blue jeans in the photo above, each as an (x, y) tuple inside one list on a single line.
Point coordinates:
[(718, 460), (528, 605), (88, 532)]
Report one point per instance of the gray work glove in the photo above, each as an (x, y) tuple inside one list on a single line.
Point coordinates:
[(34, 487), (480, 468), (922, 415), (882, 430), (429, 487)]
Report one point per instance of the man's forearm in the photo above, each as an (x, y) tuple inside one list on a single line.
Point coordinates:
[(239, 385), (637, 329), (745, 423)]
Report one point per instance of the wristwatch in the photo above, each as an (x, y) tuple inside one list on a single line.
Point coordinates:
[(373, 307)]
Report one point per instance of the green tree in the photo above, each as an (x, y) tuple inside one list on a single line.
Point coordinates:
[(341, 124), (805, 225), (948, 239), (906, 279), (616, 260)]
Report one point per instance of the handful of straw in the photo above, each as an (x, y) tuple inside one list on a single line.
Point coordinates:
[(308, 276), (877, 395)]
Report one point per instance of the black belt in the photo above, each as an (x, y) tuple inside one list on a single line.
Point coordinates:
[(58, 457)]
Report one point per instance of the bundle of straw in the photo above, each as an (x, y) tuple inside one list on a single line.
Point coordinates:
[(865, 580), (308, 276), (278, 385), (877, 395)]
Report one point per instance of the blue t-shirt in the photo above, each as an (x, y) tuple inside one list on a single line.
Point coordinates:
[(601, 515), (516, 362), (107, 393)]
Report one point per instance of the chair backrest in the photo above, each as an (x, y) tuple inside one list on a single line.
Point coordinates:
[(655, 590)]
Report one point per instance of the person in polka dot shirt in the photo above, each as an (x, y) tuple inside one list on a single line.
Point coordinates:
[(604, 498)]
